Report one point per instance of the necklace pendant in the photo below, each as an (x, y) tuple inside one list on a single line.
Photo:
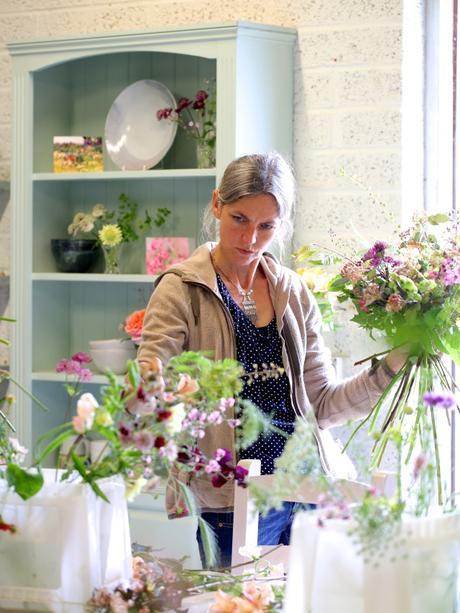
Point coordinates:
[(249, 307)]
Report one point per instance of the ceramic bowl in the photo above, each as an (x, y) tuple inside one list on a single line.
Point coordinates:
[(113, 359), (75, 255), (111, 343)]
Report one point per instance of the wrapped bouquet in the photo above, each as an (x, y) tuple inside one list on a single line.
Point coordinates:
[(410, 293)]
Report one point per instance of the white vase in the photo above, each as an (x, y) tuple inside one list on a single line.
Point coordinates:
[(327, 575), (67, 543)]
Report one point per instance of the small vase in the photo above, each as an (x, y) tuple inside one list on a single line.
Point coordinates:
[(112, 256), (205, 154)]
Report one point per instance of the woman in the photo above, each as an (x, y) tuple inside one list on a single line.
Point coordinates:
[(232, 298)]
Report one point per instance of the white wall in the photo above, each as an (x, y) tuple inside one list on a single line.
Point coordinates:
[(347, 94)]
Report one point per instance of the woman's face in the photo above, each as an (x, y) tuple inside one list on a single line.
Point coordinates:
[(247, 227)]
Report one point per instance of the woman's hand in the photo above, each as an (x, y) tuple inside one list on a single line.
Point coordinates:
[(397, 358)]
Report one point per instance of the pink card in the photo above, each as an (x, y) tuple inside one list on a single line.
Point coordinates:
[(162, 252)]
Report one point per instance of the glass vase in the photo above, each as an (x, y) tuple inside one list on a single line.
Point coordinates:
[(205, 154), (112, 259)]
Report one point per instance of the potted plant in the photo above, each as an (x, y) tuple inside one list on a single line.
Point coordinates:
[(197, 118), (108, 229), (147, 429)]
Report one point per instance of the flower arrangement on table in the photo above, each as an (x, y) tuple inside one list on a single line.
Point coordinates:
[(152, 425), (197, 118), (112, 228), (410, 293), (164, 585)]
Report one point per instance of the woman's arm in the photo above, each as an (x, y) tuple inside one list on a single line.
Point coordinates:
[(166, 328)]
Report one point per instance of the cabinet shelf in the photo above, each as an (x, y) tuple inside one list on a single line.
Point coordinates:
[(67, 87), (50, 376), (123, 175), (91, 277)]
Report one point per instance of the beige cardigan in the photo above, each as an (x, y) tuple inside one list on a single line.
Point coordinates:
[(186, 313)]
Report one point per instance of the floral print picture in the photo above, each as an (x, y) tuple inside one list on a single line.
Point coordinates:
[(162, 252), (77, 154)]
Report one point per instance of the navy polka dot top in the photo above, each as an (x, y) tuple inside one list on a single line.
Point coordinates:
[(261, 346)]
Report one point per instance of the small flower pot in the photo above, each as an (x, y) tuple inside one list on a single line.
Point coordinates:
[(75, 255)]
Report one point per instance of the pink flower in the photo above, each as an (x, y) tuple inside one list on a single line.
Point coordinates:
[(215, 417), (85, 375), (81, 357), (420, 463), (143, 440), (79, 424), (353, 272), (233, 423), (69, 367), (212, 467), (394, 303), (187, 385), (371, 293)]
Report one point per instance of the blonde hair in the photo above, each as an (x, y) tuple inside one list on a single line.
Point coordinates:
[(252, 175)]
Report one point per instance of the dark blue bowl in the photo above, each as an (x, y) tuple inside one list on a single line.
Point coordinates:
[(75, 254)]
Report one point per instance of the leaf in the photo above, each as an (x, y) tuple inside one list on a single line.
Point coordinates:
[(24, 483), (435, 220), (87, 477), (54, 444), (188, 498), (209, 541)]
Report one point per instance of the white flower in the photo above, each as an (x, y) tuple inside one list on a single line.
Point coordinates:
[(134, 488), (169, 451), (98, 210), (252, 552), (174, 423), (17, 447), (86, 409)]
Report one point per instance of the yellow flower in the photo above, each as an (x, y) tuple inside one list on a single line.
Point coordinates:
[(110, 235), (103, 418)]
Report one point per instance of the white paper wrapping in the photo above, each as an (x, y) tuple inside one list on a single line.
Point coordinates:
[(326, 575), (68, 542)]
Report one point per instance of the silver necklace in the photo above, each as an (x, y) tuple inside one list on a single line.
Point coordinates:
[(247, 304)]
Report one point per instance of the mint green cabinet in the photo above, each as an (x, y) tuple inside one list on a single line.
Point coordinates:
[(66, 87)]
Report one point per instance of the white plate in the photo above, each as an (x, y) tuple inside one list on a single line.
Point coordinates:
[(134, 137)]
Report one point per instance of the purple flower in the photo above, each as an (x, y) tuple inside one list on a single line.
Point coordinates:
[(201, 95), (81, 357), (164, 113), (450, 271), (182, 104), (240, 474), (440, 400), (375, 253), (223, 456)]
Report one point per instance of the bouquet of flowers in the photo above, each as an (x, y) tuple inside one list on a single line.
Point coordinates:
[(113, 227), (410, 293), (197, 118), (151, 426)]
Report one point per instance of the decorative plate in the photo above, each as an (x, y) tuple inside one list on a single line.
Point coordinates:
[(134, 137)]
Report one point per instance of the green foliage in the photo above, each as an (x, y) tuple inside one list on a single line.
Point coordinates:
[(127, 218), (253, 423), (26, 484), (221, 379)]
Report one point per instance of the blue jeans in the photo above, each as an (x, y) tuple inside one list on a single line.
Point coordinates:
[(274, 529)]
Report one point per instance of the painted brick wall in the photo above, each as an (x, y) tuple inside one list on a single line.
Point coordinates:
[(347, 97)]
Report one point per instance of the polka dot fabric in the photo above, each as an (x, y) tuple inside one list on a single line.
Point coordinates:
[(261, 346)]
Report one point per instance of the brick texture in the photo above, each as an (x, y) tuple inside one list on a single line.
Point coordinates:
[(346, 101)]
